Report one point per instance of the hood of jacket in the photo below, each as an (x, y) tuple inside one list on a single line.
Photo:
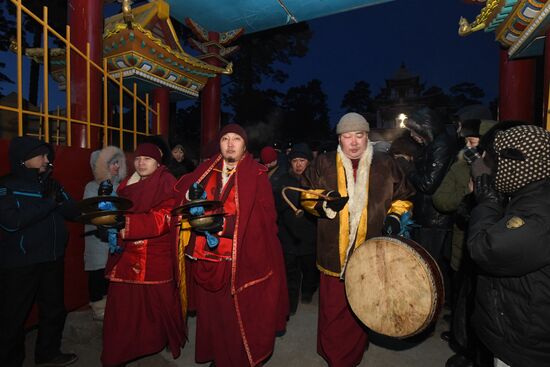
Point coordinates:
[(426, 123), (19, 148), (100, 160)]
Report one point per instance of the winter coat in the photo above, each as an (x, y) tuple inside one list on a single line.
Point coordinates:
[(511, 246), (95, 250), (430, 169), (447, 199), (386, 184), (32, 227), (298, 235), (179, 169)]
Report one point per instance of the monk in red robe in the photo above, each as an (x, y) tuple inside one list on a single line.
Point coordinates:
[(143, 312), (238, 271)]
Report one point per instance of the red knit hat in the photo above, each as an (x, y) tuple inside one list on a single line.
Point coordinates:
[(268, 155), (149, 150), (236, 129)]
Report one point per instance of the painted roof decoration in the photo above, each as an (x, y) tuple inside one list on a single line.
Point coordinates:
[(519, 25), (258, 15), (141, 44)]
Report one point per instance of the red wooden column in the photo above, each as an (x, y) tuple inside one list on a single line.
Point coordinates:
[(545, 113), (212, 46), (211, 98), (162, 97), (86, 20), (517, 89)]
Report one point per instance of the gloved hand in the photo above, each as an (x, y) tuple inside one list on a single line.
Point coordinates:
[(196, 192), (105, 188), (392, 224), (479, 167), (471, 155), (485, 192), (102, 233), (338, 203), (51, 189)]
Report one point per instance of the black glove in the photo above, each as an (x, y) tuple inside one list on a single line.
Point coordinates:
[(471, 155), (196, 192), (485, 192), (479, 167), (102, 233), (338, 203), (105, 188), (53, 190), (392, 225)]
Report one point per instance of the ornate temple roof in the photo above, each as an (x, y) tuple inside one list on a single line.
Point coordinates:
[(519, 25), (143, 46)]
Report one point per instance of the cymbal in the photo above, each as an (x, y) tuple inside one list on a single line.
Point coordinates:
[(206, 222), (100, 217), (206, 204), (90, 204)]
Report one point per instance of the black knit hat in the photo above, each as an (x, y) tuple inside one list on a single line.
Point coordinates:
[(470, 128), (300, 150)]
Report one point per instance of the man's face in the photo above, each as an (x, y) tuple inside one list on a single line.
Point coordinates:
[(145, 166), (354, 143), (299, 165), (472, 141), (232, 147), (419, 139), (39, 162), (177, 154)]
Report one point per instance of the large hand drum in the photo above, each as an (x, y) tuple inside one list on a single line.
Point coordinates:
[(394, 286)]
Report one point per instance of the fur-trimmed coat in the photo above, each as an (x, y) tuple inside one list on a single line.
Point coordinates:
[(96, 251), (386, 183)]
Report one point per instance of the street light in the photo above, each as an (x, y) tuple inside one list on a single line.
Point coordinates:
[(401, 120)]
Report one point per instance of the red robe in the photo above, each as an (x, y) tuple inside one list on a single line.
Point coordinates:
[(143, 312), (236, 324)]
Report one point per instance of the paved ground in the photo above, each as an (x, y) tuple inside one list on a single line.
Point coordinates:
[(297, 348)]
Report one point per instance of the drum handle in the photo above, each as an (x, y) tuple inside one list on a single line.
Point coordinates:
[(299, 212)]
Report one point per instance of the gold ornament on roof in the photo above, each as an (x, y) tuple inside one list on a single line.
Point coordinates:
[(482, 20)]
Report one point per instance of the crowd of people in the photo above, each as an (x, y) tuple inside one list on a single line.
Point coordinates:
[(475, 190)]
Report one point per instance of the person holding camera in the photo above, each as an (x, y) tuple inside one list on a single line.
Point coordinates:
[(454, 196), (33, 236)]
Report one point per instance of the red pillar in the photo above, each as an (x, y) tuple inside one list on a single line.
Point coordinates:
[(211, 99), (517, 88), (162, 97), (86, 20), (545, 114)]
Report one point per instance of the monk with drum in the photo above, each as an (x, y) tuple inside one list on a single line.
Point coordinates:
[(357, 194)]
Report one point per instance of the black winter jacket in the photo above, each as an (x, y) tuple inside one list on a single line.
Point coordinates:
[(298, 235), (430, 169), (32, 228), (511, 245)]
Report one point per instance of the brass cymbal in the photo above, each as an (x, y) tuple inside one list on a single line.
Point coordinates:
[(206, 222), (100, 217), (90, 204), (206, 204)]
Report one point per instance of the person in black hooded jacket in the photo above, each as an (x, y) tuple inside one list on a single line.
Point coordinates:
[(430, 167), (33, 207)]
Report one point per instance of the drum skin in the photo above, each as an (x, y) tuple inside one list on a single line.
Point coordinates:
[(394, 286)]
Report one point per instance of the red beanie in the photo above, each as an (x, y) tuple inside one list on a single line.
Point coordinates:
[(149, 150), (236, 129), (268, 155)]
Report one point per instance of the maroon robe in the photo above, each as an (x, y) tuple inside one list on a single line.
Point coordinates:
[(143, 312), (241, 304)]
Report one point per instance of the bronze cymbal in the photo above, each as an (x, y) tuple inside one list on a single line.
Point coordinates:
[(205, 222), (90, 204), (206, 204), (100, 217)]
